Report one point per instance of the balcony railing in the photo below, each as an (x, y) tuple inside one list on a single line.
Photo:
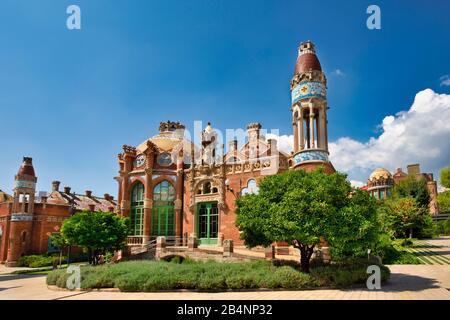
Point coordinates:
[(135, 240)]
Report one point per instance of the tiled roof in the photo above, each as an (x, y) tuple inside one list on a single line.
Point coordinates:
[(4, 197), (82, 202)]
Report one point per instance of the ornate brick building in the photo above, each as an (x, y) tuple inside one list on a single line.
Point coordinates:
[(169, 186), (27, 221), (381, 182)]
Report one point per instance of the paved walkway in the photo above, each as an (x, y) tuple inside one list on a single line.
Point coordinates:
[(408, 282), (434, 252)]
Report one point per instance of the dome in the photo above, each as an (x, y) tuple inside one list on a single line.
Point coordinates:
[(171, 134), (380, 173), (27, 167), (165, 142), (307, 62), (307, 59)]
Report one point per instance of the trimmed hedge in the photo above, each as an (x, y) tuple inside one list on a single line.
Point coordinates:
[(37, 261), (45, 260), (212, 276)]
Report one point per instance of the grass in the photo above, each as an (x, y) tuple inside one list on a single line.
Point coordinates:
[(147, 276)]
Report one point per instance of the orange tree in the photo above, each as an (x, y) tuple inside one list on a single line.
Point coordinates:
[(300, 207)]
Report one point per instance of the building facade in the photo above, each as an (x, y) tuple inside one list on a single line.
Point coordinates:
[(381, 182), (27, 221), (170, 187)]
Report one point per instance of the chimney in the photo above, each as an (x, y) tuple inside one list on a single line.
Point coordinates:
[(413, 169), (232, 145), (67, 190), (111, 209), (55, 185), (254, 132), (92, 207), (89, 193), (273, 144)]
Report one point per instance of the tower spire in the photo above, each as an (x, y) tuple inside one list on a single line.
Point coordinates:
[(309, 111)]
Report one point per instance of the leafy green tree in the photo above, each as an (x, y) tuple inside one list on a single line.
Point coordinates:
[(356, 227), (443, 199), (415, 188), (445, 177), (301, 208), (59, 241), (401, 216), (96, 232)]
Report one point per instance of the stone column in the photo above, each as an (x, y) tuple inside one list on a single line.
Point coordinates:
[(318, 131), (148, 205), (16, 203), (302, 131), (228, 248), (269, 252), (296, 129), (192, 243), (160, 246), (24, 200), (179, 199), (311, 125), (125, 205), (321, 129), (31, 203), (308, 133)]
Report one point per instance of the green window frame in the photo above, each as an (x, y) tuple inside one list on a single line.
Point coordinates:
[(208, 222), (137, 210), (163, 212)]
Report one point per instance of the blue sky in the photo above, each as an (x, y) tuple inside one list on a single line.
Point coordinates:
[(71, 99)]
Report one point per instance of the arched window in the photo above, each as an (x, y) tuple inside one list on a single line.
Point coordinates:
[(163, 213), (207, 188), (251, 188), (137, 209), (24, 236), (164, 191)]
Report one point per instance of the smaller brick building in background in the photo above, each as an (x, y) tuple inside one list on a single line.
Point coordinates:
[(27, 221), (381, 182)]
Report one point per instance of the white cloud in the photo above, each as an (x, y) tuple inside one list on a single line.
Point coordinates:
[(338, 72), (419, 135), (357, 183), (285, 143), (445, 80)]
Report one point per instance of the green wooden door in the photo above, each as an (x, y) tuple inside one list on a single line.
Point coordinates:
[(207, 222), (163, 222), (137, 210)]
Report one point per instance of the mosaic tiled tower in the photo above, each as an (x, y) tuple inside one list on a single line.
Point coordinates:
[(309, 112)]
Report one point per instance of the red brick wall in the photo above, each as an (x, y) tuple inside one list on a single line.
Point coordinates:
[(4, 223), (227, 215)]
